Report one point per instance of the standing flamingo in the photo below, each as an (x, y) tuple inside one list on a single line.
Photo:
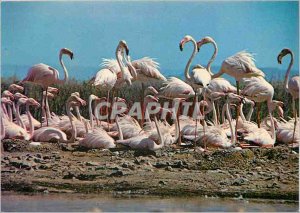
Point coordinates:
[(291, 86), (258, 90), (45, 76), (115, 73), (241, 65)]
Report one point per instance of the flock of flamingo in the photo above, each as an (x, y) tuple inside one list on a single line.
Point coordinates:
[(149, 132)]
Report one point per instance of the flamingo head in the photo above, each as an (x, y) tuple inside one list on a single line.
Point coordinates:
[(15, 88), (6, 101), (93, 97), (150, 91), (76, 98), (150, 98), (49, 94), (283, 53), (66, 51), (22, 101), (186, 39), (217, 95), (123, 45), (235, 97), (8, 94), (18, 95), (32, 102), (53, 90), (204, 40)]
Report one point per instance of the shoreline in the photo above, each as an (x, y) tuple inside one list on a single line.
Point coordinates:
[(60, 168)]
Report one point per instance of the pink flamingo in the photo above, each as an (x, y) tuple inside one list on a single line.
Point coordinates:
[(45, 75), (291, 86)]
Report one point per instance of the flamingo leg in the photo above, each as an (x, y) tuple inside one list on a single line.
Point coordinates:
[(237, 109), (42, 107), (142, 104), (295, 116), (258, 114), (177, 115), (107, 113), (46, 100)]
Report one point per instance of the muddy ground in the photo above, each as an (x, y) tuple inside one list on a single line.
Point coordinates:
[(249, 173)]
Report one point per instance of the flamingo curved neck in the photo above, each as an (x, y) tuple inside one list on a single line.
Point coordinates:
[(249, 115), (2, 128), (74, 131), (31, 127), (119, 128), (187, 67), (288, 71), (66, 74), (215, 120), (161, 142), (120, 61), (233, 139), (91, 112), (212, 58), (18, 117)]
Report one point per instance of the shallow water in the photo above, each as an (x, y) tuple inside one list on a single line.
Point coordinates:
[(80, 202)]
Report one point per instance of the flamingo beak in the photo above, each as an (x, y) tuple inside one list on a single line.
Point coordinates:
[(71, 56), (181, 46), (279, 58)]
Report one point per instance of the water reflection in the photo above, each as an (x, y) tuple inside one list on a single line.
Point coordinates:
[(104, 203)]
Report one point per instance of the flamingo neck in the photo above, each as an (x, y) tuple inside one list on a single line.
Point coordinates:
[(18, 117), (47, 108), (161, 142), (74, 131), (9, 111), (66, 74), (273, 134), (288, 71), (212, 58), (215, 120), (187, 67), (31, 127), (241, 112), (249, 115), (78, 113), (119, 128), (120, 61), (91, 113), (233, 139), (4, 111), (2, 128)]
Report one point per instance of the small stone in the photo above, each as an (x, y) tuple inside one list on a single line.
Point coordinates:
[(45, 166), (90, 163), (38, 155), (162, 183), (169, 168), (240, 181), (117, 174)]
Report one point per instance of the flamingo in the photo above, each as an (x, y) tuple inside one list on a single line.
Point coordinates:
[(114, 72), (291, 86), (241, 65), (200, 77), (13, 130), (258, 90), (48, 134), (260, 136), (45, 75), (216, 136), (146, 142)]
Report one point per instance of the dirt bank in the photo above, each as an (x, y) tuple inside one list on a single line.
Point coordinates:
[(256, 173)]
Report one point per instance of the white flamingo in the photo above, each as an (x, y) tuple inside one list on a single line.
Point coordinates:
[(48, 134), (291, 86)]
